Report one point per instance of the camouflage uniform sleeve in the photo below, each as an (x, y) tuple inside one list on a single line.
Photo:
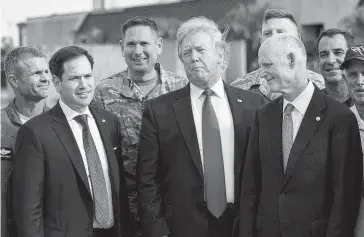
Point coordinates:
[(98, 100), (247, 81), (316, 78)]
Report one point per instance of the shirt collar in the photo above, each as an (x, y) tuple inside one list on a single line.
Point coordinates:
[(70, 113), (303, 100), (358, 118), (218, 88)]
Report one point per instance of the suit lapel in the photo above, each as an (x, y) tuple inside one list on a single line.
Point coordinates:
[(311, 122), (105, 133), (237, 107), (274, 117), (183, 111), (65, 135)]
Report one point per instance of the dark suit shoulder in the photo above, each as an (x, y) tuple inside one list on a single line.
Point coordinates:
[(169, 97), (335, 107), (246, 94), (40, 121)]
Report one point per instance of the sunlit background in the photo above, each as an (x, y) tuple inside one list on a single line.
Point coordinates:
[(95, 25)]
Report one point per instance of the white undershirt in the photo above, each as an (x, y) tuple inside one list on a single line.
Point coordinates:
[(221, 106), (77, 132)]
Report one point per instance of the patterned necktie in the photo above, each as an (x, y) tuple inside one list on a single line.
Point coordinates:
[(98, 184), (287, 134), (214, 176)]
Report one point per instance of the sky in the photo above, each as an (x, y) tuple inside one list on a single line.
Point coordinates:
[(15, 11)]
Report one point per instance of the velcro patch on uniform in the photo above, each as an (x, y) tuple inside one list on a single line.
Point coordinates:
[(6, 153)]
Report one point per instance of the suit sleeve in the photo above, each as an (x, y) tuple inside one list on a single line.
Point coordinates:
[(251, 185), (148, 185), (347, 176), (28, 183), (127, 225)]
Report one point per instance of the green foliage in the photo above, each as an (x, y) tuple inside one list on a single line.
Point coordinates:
[(355, 24)]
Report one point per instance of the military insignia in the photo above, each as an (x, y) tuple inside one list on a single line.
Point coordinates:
[(6, 153)]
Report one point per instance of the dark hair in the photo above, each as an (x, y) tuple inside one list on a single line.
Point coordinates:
[(139, 21), (278, 13), (16, 56), (65, 54), (350, 39)]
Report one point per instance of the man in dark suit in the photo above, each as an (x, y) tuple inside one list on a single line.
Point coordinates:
[(193, 143), (68, 176), (303, 170)]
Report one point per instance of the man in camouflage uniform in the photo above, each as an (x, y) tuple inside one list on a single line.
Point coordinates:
[(27, 71), (126, 92), (275, 21)]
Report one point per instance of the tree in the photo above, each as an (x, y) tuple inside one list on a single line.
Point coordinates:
[(244, 23), (355, 24)]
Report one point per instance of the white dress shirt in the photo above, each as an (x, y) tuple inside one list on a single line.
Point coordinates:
[(221, 106), (300, 105), (359, 228), (77, 133)]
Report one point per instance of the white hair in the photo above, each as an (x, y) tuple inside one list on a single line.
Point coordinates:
[(202, 23)]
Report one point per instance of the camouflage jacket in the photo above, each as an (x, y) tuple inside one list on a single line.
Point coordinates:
[(10, 124), (120, 95), (253, 82)]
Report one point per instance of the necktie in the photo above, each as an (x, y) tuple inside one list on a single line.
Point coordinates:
[(287, 133), (98, 183), (215, 192)]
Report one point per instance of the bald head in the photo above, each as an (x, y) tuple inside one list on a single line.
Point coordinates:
[(283, 45), (282, 60)]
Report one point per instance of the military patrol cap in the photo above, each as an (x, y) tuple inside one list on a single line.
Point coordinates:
[(355, 52)]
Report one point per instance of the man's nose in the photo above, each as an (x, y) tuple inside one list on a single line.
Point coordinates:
[(138, 49)]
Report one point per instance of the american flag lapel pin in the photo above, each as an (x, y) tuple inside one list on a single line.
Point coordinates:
[(239, 101), (103, 120)]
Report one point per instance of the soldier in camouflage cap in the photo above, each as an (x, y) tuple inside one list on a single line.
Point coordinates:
[(126, 92), (27, 72), (275, 21)]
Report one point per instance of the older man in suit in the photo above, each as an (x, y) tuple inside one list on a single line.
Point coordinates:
[(193, 143), (303, 171), (68, 175)]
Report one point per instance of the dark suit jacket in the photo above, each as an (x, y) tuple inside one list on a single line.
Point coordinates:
[(51, 192), (320, 191), (169, 169)]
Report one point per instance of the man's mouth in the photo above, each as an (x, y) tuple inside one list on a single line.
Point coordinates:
[(139, 60), (83, 94)]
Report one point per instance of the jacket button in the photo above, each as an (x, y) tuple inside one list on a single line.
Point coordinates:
[(89, 231)]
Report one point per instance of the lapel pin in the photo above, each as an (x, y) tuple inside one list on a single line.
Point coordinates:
[(239, 100), (318, 119), (103, 120)]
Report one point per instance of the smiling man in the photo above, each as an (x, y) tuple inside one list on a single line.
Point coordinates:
[(304, 166), (27, 72), (126, 92), (67, 177), (331, 46)]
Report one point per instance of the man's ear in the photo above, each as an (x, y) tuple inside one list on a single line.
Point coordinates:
[(122, 47), (57, 83), (291, 60), (159, 45), (13, 81)]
